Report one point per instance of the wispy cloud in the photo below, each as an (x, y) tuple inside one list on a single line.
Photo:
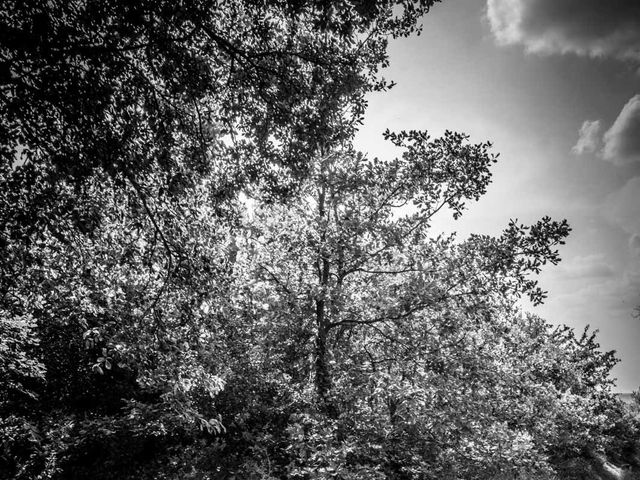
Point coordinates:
[(592, 28), (587, 266), (634, 244), (622, 207), (588, 138), (621, 147), (617, 296)]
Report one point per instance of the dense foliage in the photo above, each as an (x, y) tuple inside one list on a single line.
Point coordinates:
[(199, 277), (404, 354)]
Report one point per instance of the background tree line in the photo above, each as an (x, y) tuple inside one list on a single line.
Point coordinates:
[(200, 277)]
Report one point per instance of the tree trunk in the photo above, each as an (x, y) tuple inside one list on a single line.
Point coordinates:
[(322, 374), (323, 379)]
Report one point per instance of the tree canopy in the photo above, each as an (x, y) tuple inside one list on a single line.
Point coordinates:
[(124, 86), (405, 354)]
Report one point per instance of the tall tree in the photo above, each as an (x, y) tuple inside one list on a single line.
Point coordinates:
[(368, 222), (401, 354), (127, 130)]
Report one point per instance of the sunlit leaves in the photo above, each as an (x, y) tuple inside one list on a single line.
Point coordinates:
[(432, 370)]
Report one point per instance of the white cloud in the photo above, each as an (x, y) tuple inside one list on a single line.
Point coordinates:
[(593, 28), (622, 140), (588, 138), (621, 143)]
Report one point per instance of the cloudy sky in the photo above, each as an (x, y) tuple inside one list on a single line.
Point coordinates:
[(555, 85)]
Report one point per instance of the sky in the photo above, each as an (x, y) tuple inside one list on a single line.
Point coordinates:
[(555, 86)]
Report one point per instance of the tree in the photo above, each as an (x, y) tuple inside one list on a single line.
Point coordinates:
[(355, 237), (128, 129), (402, 355), (129, 357)]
